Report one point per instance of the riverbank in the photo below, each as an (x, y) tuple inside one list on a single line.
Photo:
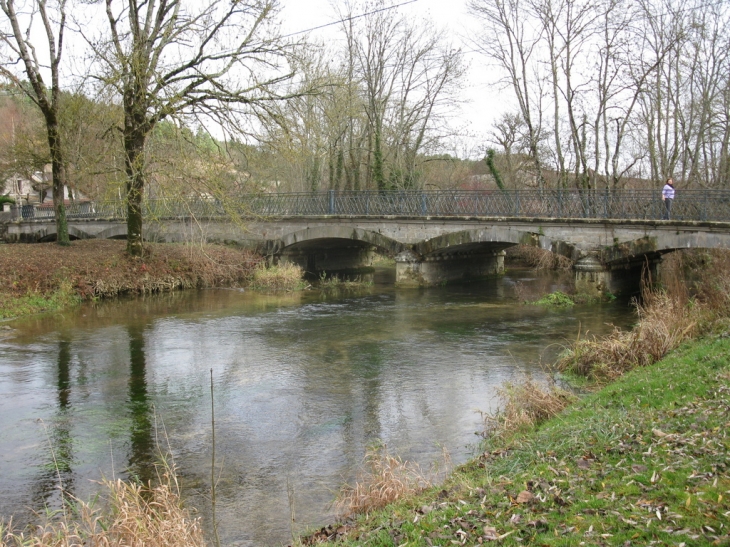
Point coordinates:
[(46, 277), (643, 461)]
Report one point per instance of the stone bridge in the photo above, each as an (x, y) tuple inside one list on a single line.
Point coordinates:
[(609, 254)]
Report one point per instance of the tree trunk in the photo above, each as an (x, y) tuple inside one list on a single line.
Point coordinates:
[(58, 170), (134, 153)]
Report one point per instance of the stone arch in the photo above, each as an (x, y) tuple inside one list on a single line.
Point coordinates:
[(489, 237), (50, 234), (652, 247), (118, 231), (383, 243), (335, 248)]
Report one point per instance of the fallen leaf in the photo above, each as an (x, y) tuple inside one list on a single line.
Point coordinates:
[(490, 533), (525, 497)]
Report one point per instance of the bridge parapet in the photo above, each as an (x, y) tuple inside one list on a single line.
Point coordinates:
[(697, 205)]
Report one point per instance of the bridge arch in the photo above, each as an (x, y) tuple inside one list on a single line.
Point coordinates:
[(652, 247), (491, 238), (384, 244), (117, 231), (48, 233), (334, 248)]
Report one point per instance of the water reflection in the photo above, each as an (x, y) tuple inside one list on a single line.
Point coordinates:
[(55, 476), (142, 445)]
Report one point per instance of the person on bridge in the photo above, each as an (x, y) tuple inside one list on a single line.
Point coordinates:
[(668, 198)]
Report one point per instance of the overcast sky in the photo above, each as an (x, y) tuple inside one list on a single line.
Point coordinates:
[(483, 100)]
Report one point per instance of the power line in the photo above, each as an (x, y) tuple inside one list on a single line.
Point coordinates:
[(351, 18)]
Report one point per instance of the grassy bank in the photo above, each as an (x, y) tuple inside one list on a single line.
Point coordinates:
[(46, 277), (642, 461)]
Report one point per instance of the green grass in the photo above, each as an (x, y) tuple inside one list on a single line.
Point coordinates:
[(18, 306), (644, 461)]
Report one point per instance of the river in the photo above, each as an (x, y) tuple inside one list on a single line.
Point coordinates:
[(303, 383)]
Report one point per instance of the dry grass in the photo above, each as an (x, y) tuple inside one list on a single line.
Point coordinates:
[(663, 324), (130, 515), (384, 479), (524, 405), (287, 277), (691, 301)]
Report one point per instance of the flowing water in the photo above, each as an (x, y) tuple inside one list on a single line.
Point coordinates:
[(303, 383)]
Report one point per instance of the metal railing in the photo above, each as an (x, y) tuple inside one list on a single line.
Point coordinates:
[(699, 205)]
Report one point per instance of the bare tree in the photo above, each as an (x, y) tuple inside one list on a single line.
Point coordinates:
[(509, 135), (408, 76), (20, 50), (512, 43), (167, 59)]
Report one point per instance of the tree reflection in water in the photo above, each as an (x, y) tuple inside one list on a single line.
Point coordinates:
[(139, 407)]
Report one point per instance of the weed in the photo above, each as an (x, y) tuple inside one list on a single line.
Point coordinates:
[(538, 258), (334, 283), (524, 405)]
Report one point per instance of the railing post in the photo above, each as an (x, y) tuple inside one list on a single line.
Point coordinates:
[(560, 202), (424, 205), (331, 202)]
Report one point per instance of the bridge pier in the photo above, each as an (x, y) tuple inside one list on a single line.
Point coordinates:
[(591, 276), (414, 271), (595, 278)]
